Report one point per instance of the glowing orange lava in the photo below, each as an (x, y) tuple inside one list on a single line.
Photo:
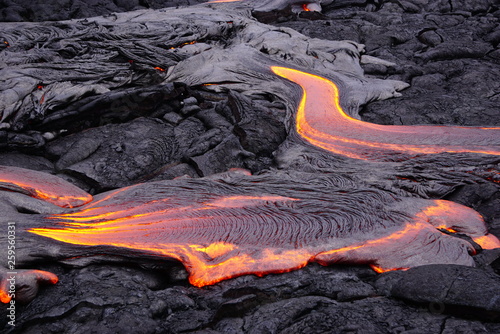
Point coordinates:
[(321, 121), (381, 270), (488, 241), (146, 228), (22, 275), (218, 237), (42, 186), (4, 296), (183, 44)]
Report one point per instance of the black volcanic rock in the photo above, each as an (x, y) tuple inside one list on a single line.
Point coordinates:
[(39, 10), (116, 156), (462, 289), (116, 298), (18, 159)]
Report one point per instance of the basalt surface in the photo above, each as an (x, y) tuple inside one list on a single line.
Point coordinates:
[(149, 96)]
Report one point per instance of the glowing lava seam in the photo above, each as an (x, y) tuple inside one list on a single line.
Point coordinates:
[(49, 188), (321, 121)]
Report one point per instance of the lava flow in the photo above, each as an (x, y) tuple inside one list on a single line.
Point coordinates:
[(260, 226), (321, 121), (43, 186)]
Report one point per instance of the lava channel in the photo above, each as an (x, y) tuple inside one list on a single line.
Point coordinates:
[(321, 121)]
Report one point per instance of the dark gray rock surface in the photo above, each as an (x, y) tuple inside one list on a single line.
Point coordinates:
[(39, 10), (453, 286), (314, 299)]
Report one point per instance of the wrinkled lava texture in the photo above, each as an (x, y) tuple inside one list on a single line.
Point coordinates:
[(321, 192)]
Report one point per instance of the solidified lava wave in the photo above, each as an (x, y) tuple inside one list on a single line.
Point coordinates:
[(321, 121)]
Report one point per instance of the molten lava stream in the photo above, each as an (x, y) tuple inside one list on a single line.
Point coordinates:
[(321, 121), (43, 186), (219, 231)]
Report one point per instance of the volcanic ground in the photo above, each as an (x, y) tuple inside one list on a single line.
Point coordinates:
[(303, 146)]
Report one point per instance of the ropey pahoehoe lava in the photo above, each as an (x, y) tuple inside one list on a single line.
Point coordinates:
[(255, 226)]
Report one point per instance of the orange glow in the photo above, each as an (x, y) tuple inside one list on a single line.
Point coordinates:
[(43, 186), (488, 241), (219, 83), (39, 276), (321, 121), (161, 208), (494, 175), (207, 263), (440, 208), (305, 8), (183, 44), (4, 296), (103, 197), (91, 210), (438, 215), (216, 249), (380, 270), (449, 229), (409, 229), (160, 69), (416, 243)]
